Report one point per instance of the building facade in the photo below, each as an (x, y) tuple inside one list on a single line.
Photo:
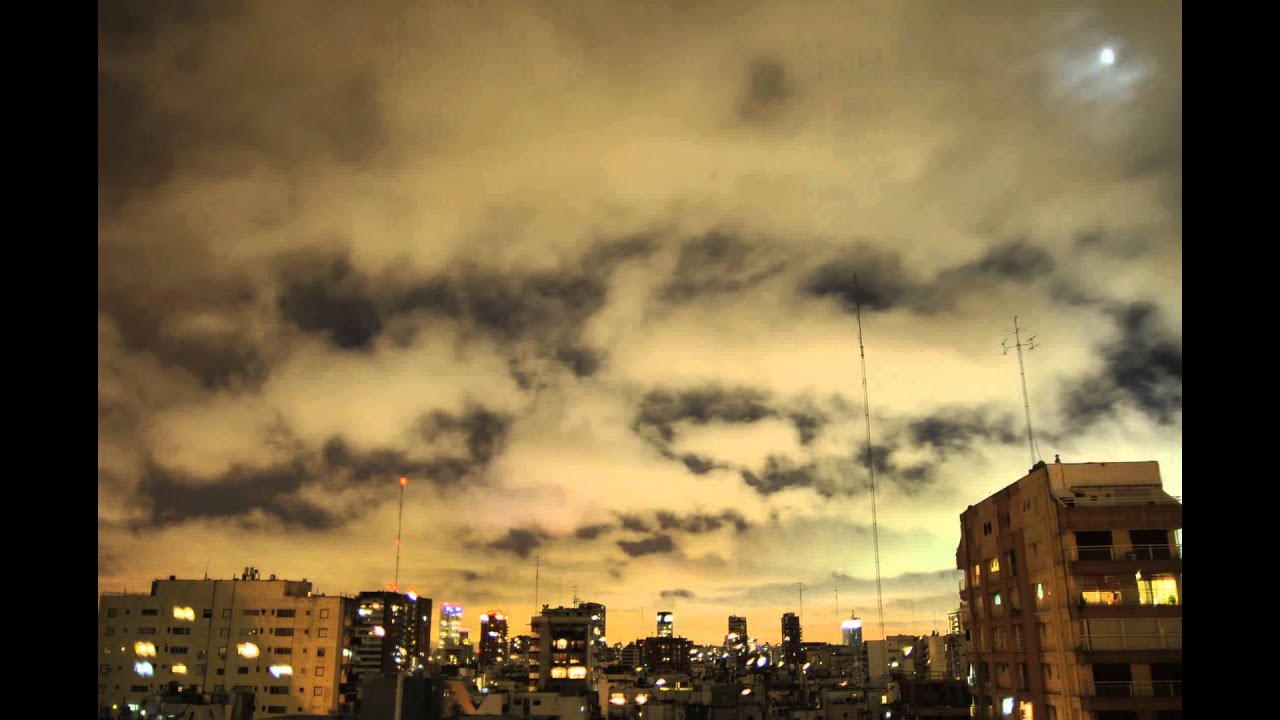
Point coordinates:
[(275, 636), (1072, 595), (494, 646), (792, 647), (566, 649)]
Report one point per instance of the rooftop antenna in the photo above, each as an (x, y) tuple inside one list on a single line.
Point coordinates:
[(871, 466), (1030, 345), (537, 575), (399, 526), (801, 587)]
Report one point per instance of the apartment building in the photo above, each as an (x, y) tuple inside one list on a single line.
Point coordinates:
[(274, 637), (1072, 595)]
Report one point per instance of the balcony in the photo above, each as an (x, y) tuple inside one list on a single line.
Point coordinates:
[(1135, 689), (1112, 553), (1131, 641)]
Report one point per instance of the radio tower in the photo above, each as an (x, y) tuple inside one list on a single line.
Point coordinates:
[(1030, 345), (399, 525), (871, 466)]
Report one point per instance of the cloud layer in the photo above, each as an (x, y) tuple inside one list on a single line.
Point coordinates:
[(601, 280)]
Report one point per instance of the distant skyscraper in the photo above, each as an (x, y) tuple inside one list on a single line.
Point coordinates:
[(450, 623), (738, 628), (792, 651), (493, 638), (666, 623), (851, 631)]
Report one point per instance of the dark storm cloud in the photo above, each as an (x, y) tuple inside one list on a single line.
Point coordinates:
[(648, 546), (698, 465), (581, 361), (660, 410), (910, 479), (520, 541), (959, 429), (322, 293), (1141, 369), (768, 88), (780, 473), (591, 532), (808, 424), (137, 141), (192, 319), (174, 498), (680, 593), (717, 263), (470, 575), (1014, 260), (635, 523), (877, 277), (868, 275), (483, 431), (697, 523)]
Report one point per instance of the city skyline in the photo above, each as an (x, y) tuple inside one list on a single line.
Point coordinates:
[(584, 274)]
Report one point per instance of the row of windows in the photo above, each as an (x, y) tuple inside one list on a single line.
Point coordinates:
[(222, 632), (316, 691), (208, 612)]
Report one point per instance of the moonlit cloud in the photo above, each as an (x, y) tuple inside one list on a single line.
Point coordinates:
[(590, 275)]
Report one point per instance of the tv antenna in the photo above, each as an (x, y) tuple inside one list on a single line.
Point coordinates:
[(871, 466), (1030, 345), (399, 526)]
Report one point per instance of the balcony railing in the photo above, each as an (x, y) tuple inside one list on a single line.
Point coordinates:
[(1136, 688), (1132, 641), (1124, 552), (1105, 500)]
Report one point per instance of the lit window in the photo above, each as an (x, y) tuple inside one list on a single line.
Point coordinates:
[(577, 672), (180, 668), (248, 650), (996, 598), (184, 613), (994, 564), (559, 672)]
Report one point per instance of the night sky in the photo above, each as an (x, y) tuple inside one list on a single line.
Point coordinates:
[(584, 272)]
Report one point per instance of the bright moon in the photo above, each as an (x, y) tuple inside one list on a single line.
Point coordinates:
[(1107, 56)]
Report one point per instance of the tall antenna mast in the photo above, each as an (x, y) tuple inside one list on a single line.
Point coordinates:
[(537, 575), (399, 526), (871, 466), (1030, 344)]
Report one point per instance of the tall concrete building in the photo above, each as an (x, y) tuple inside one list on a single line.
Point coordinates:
[(494, 646), (1072, 595), (792, 646), (563, 654), (275, 636)]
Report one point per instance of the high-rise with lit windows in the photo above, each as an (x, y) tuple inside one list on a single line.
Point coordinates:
[(564, 655), (274, 635), (1072, 595), (493, 639), (666, 626), (792, 645)]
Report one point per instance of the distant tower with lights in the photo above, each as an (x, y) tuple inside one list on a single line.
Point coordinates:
[(666, 624), (792, 648), (851, 631), (493, 639)]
